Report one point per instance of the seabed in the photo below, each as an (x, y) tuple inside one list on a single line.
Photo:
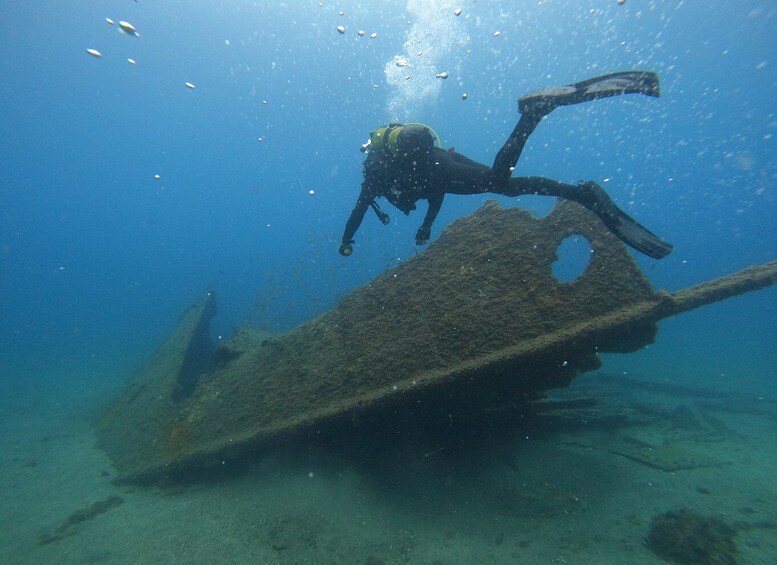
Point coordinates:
[(435, 415)]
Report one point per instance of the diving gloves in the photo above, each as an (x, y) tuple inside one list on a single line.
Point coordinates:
[(541, 102)]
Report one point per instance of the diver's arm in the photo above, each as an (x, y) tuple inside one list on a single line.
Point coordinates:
[(435, 202), (354, 221)]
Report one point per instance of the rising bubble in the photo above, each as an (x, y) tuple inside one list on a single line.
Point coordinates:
[(441, 39)]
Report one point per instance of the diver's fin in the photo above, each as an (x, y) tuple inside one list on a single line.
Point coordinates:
[(626, 82), (623, 226), (635, 235)]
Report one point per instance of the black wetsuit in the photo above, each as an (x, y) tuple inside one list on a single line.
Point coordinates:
[(403, 180), (429, 173)]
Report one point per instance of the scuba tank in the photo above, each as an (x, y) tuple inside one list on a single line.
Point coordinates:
[(403, 139)]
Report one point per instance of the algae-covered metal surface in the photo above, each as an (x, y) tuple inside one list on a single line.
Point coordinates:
[(475, 319)]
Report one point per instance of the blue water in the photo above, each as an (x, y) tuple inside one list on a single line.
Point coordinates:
[(98, 258)]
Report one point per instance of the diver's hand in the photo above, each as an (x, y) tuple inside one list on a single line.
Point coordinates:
[(422, 235), (346, 249)]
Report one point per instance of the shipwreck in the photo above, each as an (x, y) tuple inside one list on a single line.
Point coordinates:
[(476, 319)]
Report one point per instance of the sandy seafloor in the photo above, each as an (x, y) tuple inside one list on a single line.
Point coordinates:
[(549, 492)]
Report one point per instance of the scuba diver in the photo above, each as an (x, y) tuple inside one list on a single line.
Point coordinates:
[(405, 165)]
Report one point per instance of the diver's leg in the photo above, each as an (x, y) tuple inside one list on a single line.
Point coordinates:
[(593, 197), (538, 104), (457, 174), (462, 159), (541, 186), (508, 155)]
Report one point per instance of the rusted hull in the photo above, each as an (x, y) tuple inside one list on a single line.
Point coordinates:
[(475, 319)]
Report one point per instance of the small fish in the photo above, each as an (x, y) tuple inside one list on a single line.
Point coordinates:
[(94, 52)]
